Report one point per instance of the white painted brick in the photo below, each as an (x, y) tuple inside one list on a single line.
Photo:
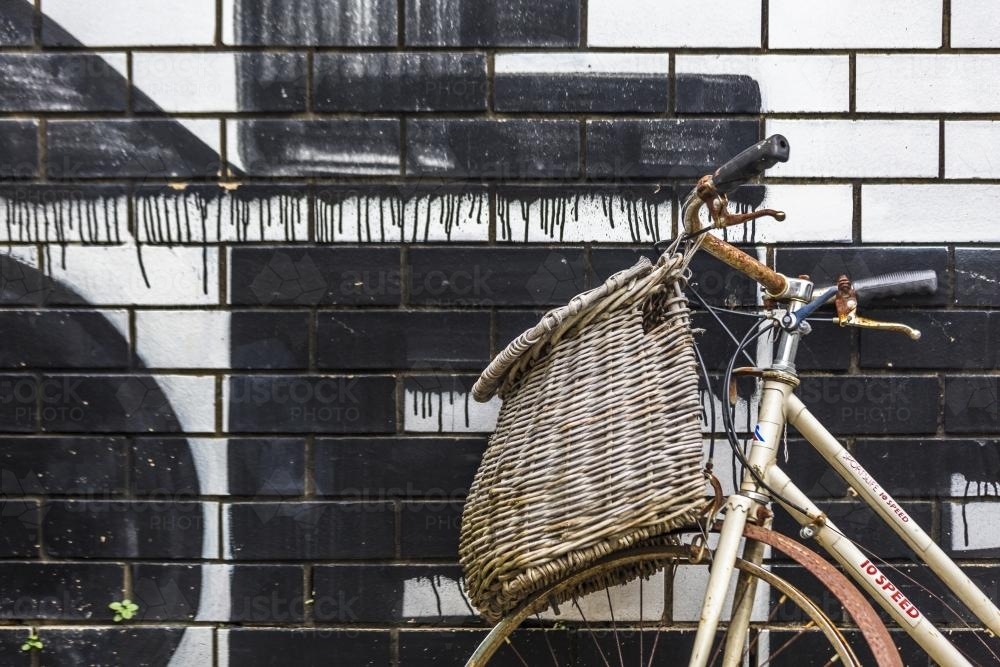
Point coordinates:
[(903, 83), (669, 23), (110, 275), (135, 22), (27, 216), (193, 400), (176, 217), (813, 213), (379, 218), (206, 129), (975, 23), (442, 411), (179, 81), (183, 338), (938, 212), (598, 217), (972, 149), (858, 148), (788, 83), (854, 24)]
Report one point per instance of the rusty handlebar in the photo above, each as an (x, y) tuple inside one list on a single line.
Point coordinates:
[(706, 194)]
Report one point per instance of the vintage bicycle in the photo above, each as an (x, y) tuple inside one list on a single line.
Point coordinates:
[(588, 536)]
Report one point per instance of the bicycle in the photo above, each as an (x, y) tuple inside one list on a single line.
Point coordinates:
[(549, 625)]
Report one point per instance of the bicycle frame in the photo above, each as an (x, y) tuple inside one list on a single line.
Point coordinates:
[(778, 407)]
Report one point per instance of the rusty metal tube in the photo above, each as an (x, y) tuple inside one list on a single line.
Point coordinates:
[(773, 282)]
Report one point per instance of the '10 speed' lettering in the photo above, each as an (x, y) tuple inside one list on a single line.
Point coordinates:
[(896, 595)]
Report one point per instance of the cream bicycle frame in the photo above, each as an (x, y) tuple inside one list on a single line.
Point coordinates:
[(778, 406)]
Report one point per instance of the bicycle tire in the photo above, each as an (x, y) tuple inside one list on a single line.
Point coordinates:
[(573, 646)]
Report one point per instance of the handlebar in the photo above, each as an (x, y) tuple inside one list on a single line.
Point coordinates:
[(711, 190), (896, 284), (750, 163)]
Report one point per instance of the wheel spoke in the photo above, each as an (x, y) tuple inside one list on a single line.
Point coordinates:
[(593, 636), (614, 627)]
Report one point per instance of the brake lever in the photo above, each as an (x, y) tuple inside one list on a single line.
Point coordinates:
[(846, 301), (722, 217)]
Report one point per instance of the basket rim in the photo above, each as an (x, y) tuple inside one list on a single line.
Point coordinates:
[(635, 282)]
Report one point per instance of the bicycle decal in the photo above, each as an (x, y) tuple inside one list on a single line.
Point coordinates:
[(875, 576), (870, 482)]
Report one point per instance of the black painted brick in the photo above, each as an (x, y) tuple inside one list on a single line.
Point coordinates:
[(269, 339), (488, 148), (403, 339), (124, 529), (430, 529), (59, 82), (47, 465), (21, 284), (580, 92), (949, 339), (493, 23), (288, 276), (316, 23), (105, 403), (318, 147), (312, 404), (18, 149), (400, 82), (512, 323), (495, 276), (19, 523), (265, 82), (717, 93), (20, 403), (60, 339), (167, 592), (976, 276), (17, 24), (387, 468), (826, 348), (873, 405), (258, 593), (268, 594), (127, 148), (892, 463), (59, 590), (267, 647), (11, 640), (164, 467), (311, 531), (448, 648), (809, 470), (150, 646), (664, 147), (262, 467), (972, 404), (825, 265), (375, 593)]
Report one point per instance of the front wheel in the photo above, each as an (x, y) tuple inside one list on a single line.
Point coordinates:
[(652, 621)]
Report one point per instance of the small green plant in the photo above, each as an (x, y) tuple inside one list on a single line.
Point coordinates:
[(33, 643), (124, 610)]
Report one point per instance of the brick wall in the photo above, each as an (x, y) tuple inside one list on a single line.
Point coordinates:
[(257, 251)]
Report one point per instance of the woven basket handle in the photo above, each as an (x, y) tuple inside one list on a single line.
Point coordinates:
[(491, 378)]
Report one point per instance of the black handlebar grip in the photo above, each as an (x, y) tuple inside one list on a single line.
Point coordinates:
[(751, 163), (896, 284)]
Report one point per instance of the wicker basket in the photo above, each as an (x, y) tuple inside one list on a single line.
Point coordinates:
[(598, 444)]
